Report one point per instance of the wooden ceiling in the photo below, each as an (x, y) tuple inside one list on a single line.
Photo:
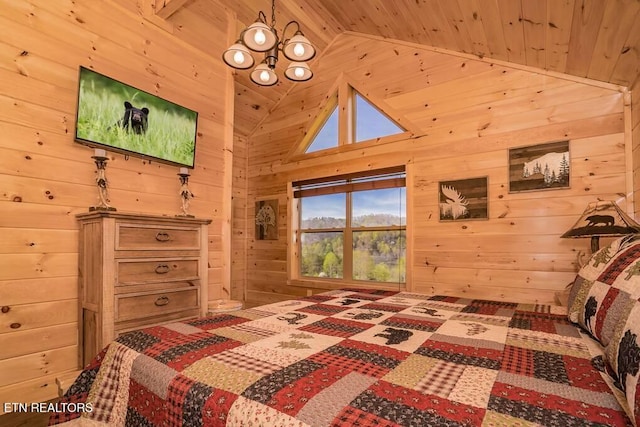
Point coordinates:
[(595, 39)]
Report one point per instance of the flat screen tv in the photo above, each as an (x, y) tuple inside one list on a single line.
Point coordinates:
[(118, 117)]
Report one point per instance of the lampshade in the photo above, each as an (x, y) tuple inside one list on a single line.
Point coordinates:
[(298, 72), (264, 75), (298, 48), (602, 219), (259, 37), (238, 56)]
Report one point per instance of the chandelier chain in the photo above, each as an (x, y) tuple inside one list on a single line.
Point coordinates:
[(273, 14)]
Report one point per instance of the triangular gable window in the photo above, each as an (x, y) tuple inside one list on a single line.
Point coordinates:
[(371, 123), (327, 136), (347, 118)]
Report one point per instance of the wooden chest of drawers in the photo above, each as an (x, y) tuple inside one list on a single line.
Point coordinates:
[(137, 271)]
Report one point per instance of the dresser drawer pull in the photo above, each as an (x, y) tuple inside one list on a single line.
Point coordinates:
[(162, 236), (162, 269), (162, 301)]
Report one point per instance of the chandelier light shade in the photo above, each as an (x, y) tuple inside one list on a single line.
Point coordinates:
[(298, 48), (298, 72), (264, 75), (260, 37), (602, 218), (238, 56)]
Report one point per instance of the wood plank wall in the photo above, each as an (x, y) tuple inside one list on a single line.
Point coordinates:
[(635, 135), (46, 178), (240, 220), (468, 112)]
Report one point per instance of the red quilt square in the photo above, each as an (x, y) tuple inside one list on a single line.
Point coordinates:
[(216, 409), (292, 397), (582, 374), (603, 310), (148, 404), (551, 402)]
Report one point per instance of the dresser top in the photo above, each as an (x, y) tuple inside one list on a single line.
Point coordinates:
[(140, 217)]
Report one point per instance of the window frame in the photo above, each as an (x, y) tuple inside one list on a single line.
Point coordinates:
[(347, 188)]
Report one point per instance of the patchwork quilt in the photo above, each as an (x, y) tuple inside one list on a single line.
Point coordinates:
[(354, 358)]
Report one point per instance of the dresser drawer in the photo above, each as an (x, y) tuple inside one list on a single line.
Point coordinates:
[(140, 237), (154, 304), (135, 272)]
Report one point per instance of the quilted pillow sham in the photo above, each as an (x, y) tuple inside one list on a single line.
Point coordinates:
[(623, 354), (604, 289)]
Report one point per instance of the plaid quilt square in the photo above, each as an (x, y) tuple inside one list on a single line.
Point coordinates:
[(441, 379), (497, 308), (323, 309), (378, 306), (351, 416), (336, 327), (216, 321), (360, 357), (519, 361), (407, 321)]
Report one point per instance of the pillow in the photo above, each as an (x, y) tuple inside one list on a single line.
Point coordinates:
[(604, 289), (623, 355)]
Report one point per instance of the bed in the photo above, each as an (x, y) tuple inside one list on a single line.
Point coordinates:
[(357, 357)]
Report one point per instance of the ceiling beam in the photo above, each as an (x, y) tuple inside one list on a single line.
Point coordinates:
[(165, 8)]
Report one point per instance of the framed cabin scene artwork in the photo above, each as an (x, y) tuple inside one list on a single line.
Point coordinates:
[(539, 167), (463, 199), (266, 220)]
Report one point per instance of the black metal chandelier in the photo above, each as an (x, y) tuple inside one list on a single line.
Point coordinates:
[(262, 38)]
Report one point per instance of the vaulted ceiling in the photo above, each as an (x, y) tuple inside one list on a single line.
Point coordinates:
[(595, 39)]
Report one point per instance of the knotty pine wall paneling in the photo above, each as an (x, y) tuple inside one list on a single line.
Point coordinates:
[(468, 113), (47, 178), (635, 137)]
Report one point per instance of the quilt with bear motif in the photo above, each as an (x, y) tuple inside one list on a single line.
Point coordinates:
[(354, 357)]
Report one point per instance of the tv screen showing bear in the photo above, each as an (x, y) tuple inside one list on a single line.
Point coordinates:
[(121, 118)]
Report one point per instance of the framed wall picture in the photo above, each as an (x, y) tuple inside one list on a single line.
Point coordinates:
[(539, 167), (463, 199), (266, 219)]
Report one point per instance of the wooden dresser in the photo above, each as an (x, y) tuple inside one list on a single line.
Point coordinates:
[(138, 270)]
